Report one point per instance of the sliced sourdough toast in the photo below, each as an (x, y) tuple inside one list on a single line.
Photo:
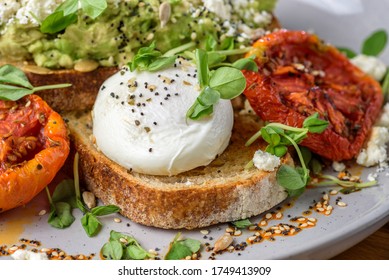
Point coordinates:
[(220, 192)]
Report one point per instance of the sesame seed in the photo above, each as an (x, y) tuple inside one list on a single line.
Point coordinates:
[(268, 216), (137, 123), (303, 225), (268, 234), (279, 215), (333, 192), (229, 230), (42, 212), (123, 240), (320, 209), (238, 232), (252, 238), (117, 220), (301, 219), (263, 223), (150, 150), (204, 232), (342, 204), (312, 220)]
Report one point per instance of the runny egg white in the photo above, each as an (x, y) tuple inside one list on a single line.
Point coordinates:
[(139, 121)]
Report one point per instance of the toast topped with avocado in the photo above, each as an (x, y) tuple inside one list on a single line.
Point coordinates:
[(95, 41)]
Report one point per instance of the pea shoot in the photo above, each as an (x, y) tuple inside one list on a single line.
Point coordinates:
[(14, 84), (279, 137), (66, 197), (67, 14)]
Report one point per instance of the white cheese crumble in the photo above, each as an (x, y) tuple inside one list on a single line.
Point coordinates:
[(265, 161), (22, 254), (338, 166), (370, 65), (219, 7), (375, 151)]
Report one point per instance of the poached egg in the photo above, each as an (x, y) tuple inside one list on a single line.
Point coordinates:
[(139, 121)]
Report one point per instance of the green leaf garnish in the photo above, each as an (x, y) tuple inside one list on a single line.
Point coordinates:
[(112, 250), (242, 223), (14, 84), (123, 247), (105, 210), (202, 67), (57, 22), (61, 205), (91, 224), (278, 136), (246, 64), (385, 85), (228, 81), (60, 215), (11, 75), (65, 192), (93, 8), (375, 43), (314, 124), (180, 249), (67, 14), (161, 63), (347, 52)]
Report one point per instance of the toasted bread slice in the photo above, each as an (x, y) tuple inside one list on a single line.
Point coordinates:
[(220, 192)]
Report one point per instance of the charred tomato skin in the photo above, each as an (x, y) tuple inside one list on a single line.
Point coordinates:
[(34, 145), (300, 75)]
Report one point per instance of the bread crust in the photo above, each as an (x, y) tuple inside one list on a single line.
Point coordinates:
[(221, 192)]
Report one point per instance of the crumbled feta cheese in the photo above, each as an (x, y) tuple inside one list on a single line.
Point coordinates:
[(219, 7), (263, 18), (8, 10), (29, 9), (370, 65), (376, 147), (22, 254), (265, 161), (338, 166)]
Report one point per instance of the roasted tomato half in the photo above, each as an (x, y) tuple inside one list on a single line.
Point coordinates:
[(33, 147), (300, 75)]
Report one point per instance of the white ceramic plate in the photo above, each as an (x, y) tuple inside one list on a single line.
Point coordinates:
[(366, 211)]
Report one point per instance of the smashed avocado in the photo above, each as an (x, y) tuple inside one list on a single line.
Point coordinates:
[(125, 26)]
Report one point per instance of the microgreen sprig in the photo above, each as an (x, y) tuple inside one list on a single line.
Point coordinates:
[(373, 45), (279, 136), (14, 84), (242, 223), (181, 248), (150, 59), (348, 186), (123, 247), (66, 197), (66, 14), (223, 83)]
